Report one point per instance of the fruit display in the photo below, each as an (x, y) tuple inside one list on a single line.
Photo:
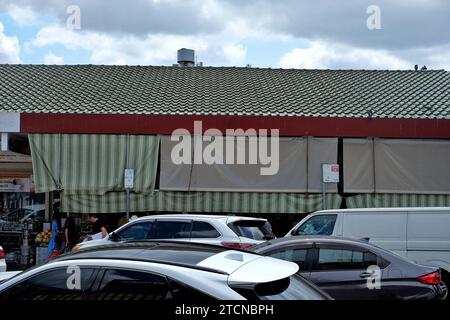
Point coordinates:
[(43, 238)]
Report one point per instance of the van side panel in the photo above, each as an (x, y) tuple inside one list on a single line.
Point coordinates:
[(385, 229), (440, 259), (429, 231)]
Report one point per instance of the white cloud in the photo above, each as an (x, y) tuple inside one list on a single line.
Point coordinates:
[(51, 58), (323, 55), (23, 16), (9, 48), (225, 32), (234, 54), (153, 49)]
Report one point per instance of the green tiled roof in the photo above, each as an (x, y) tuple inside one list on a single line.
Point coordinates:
[(224, 91)]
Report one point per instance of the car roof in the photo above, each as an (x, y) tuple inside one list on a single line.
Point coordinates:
[(241, 266), (166, 252), (314, 238), (171, 252), (390, 209), (199, 216)]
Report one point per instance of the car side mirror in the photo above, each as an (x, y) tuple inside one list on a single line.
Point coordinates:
[(294, 232), (113, 236)]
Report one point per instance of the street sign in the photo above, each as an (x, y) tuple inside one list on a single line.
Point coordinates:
[(330, 173), (129, 178)]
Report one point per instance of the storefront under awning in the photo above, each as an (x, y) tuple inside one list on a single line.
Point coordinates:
[(88, 171), (16, 172)]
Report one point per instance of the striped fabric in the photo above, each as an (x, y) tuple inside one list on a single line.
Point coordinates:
[(88, 170), (381, 200), (213, 202), (93, 164)]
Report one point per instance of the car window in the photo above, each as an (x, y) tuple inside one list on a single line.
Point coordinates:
[(292, 288), (132, 285), (201, 229), (137, 231), (318, 225), (172, 230), (59, 284), (370, 259), (253, 229), (183, 292), (340, 259), (295, 255)]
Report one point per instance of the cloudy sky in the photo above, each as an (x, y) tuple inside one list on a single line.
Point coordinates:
[(288, 33)]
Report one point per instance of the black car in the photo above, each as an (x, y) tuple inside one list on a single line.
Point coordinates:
[(349, 269)]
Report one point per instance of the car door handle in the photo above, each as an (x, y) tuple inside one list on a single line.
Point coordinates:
[(365, 275)]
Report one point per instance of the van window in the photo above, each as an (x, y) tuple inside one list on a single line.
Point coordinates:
[(318, 225)]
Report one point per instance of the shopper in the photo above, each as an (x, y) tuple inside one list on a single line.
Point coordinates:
[(70, 233), (99, 227), (55, 243), (122, 221)]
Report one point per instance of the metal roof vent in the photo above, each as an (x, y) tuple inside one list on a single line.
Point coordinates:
[(186, 57)]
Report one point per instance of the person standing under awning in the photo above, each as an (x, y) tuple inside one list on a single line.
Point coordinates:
[(99, 227)]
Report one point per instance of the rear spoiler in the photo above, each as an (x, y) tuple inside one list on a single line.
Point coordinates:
[(255, 271), (248, 268)]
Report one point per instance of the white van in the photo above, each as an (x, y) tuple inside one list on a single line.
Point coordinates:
[(419, 234)]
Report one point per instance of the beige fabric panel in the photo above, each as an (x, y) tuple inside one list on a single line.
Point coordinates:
[(412, 166), (291, 176), (358, 165), (171, 176), (320, 150)]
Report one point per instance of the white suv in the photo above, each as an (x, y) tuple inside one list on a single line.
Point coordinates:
[(228, 231)]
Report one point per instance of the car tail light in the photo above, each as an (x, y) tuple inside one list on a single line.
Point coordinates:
[(237, 245), (432, 278), (2, 253)]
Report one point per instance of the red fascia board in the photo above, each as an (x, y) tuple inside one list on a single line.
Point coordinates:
[(287, 125)]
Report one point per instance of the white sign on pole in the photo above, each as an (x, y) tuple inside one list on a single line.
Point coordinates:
[(129, 178), (330, 173)]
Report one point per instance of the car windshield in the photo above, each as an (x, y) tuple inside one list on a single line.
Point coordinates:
[(253, 229)]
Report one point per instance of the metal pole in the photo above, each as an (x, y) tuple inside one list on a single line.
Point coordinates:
[(47, 207), (127, 189), (4, 141), (324, 193), (128, 204)]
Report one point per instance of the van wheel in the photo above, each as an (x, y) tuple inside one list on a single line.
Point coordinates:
[(444, 287)]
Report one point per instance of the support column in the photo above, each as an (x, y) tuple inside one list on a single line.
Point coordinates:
[(4, 142)]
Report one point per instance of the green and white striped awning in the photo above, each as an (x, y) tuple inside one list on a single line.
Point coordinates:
[(385, 200), (202, 202), (88, 170), (93, 164)]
